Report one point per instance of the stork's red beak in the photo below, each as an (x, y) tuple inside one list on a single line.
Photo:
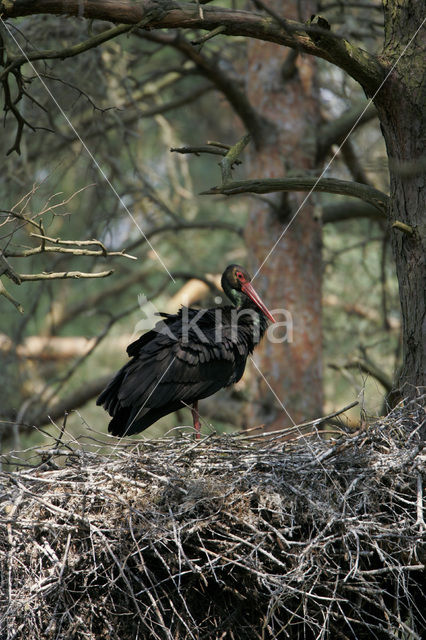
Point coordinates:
[(251, 293)]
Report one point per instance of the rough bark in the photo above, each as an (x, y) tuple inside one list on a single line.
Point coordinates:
[(291, 277), (401, 108)]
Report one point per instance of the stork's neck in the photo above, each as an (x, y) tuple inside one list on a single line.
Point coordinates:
[(236, 297), (241, 302)]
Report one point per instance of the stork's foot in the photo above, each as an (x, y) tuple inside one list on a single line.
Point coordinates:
[(196, 420)]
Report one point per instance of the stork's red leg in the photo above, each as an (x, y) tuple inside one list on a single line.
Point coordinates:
[(196, 419)]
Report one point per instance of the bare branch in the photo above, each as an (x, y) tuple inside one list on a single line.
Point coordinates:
[(329, 185), (29, 277), (209, 36), (10, 105), (295, 429), (76, 252), (202, 149)]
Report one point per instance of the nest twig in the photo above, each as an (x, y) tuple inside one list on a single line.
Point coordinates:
[(222, 538)]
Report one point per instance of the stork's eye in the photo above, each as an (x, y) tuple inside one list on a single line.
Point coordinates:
[(240, 276)]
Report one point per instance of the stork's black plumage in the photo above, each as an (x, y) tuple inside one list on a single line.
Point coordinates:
[(186, 357)]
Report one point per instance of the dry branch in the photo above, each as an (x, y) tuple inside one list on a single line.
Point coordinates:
[(211, 148), (62, 275), (70, 246)]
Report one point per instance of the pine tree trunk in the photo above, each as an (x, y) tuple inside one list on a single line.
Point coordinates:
[(401, 107), (281, 86)]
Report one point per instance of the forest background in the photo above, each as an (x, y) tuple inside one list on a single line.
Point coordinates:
[(86, 156)]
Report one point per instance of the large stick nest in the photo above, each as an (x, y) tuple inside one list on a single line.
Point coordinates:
[(221, 538)]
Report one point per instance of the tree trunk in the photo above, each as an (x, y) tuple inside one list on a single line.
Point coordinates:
[(281, 86), (401, 104)]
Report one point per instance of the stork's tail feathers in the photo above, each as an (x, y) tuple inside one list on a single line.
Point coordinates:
[(109, 396), (127, 421)]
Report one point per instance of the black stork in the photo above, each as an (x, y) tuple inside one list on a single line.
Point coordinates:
[(187, 356)]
